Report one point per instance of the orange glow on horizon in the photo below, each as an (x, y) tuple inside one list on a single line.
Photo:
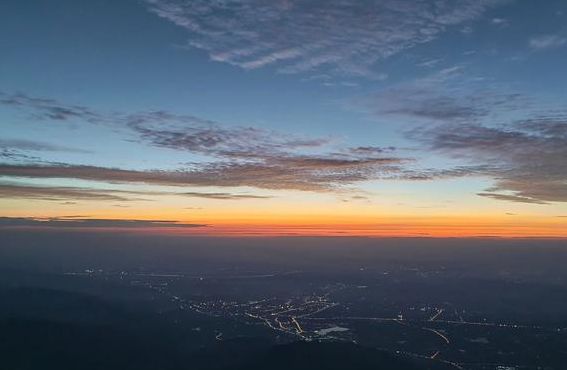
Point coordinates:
[(439, 227), (313, 221)]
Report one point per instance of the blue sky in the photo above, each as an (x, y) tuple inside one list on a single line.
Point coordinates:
[(316, 97)]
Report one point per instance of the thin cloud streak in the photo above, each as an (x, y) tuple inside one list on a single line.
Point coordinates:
[(223, 196), (30, 145), (88, 223), (17, 191), (294, 173), (53, 193), (50, 109), (546, 42), (446, 96)]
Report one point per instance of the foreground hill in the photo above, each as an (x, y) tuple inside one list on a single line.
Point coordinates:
[(51, 329)]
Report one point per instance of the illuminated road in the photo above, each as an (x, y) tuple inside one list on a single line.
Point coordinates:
[(450, 322), (296, 323), (439, 312), (438, 334)]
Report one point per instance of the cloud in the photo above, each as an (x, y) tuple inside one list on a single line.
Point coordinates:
[(356, 198), (545, 42), (511, 198), (187, 133), (500, 22), (526, 157), (346, 37), (443, 96), (79, 222), (429, 63), (224, 196), (162, 129), (429, 174), (428, 104), (239, 155), (292, 173), (279, 172), (242, 157), (438, 108), (52, 193), (312, 173), (371, 150), (49, 108), (16, 155), (482, 128), (13, 190), (264, 159), (37, 146)]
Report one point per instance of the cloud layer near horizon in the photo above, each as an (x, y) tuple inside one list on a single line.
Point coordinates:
[(81, 222), (525, 157), (64, 193), (240, 156), (492, 131)]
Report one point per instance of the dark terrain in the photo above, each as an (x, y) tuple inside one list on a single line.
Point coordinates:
[(289, 303)]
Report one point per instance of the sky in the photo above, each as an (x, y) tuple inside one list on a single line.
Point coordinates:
[(436, 118)]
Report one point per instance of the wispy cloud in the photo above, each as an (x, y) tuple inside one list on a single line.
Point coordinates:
[(161, 129), (37, 146), (444, 96), (44, 108), (17, 155), (545, 42), (223, 196), (346, 37), (511, 198), (500, 22), (187, 133), (15, 190)]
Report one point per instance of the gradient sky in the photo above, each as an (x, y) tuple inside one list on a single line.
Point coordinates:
[(254, 117)]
